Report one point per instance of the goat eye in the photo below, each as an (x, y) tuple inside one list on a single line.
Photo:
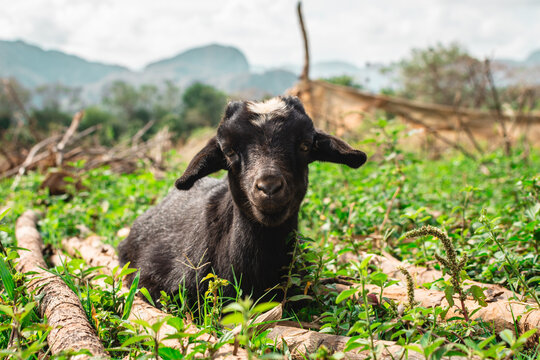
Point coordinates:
[(230, 153), (304, 147)]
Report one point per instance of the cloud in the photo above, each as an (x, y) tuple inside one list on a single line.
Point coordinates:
[(134, 33)]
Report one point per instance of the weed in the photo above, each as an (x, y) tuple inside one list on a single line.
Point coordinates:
[(451, 264)]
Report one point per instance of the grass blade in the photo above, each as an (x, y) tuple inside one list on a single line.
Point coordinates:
[(131, 296), (7, 278)]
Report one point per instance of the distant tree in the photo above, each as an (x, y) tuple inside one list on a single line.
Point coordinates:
[(344, 80), (203, 105), (132, 107), (51, 119), (442, 73), (121, 98), (10, 113), (58, 97), (148, 96), (388, 91), (169, 101), (57, 103), (14, 121), (110, 129)]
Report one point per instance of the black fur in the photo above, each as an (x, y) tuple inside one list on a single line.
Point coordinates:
[(238, 226)]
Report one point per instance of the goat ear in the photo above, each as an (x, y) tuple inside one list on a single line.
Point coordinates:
[(329, 148), (209, 160)]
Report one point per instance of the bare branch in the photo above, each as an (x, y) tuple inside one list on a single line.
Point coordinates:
[(60, 147), (139, 134), (498, 108), (435, 133), (305, 71)]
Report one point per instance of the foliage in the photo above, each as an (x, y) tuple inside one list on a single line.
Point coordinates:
[(12, 121), (438, 73), (124, 109), (488, 210), (449, 75), (203, 106), (58, 97), (51, 119), (344, 80)]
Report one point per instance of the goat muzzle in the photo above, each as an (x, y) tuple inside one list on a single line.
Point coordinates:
[(270, 185)]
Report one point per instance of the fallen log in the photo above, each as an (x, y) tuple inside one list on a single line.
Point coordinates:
[(95, 253), (70, 329), (502, 314), (390, 266), (302, 342), (262, 321)]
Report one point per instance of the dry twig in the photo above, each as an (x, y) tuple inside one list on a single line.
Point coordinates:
[(60, 147)]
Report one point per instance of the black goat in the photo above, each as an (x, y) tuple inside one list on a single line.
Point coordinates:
[(239, 226)]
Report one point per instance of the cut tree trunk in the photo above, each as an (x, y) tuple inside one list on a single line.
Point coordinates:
[(70, 329), (424, 275), (266, 320), (390, 266), (500, 313), (95, 253), (302, 342)]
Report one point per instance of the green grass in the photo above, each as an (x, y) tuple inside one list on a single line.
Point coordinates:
[(489, 208)]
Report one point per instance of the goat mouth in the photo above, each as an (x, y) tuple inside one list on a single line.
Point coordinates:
[(270, 206), (272, 210), (271, 216)]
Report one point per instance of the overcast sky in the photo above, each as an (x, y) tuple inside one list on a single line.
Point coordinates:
[(134, 33)]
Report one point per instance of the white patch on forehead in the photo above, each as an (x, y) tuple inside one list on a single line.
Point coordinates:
[(267, 109)]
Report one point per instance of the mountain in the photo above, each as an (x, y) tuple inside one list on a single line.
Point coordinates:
[(533, 58), (509, 72), (206, 61), (33, 66), (325, 69), (333, 68), (225, 67), (257, 85)]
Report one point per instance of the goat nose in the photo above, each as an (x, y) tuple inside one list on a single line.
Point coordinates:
[(269, 184)]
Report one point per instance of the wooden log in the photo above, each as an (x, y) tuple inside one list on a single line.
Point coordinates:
[(62, 308), (500, 313), (266, 320), (421, 275), (390, 266), (301, 325), (302, 342), (95, 253), (140, 309)]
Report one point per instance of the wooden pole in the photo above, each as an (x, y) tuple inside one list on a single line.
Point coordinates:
[(305, 71)]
